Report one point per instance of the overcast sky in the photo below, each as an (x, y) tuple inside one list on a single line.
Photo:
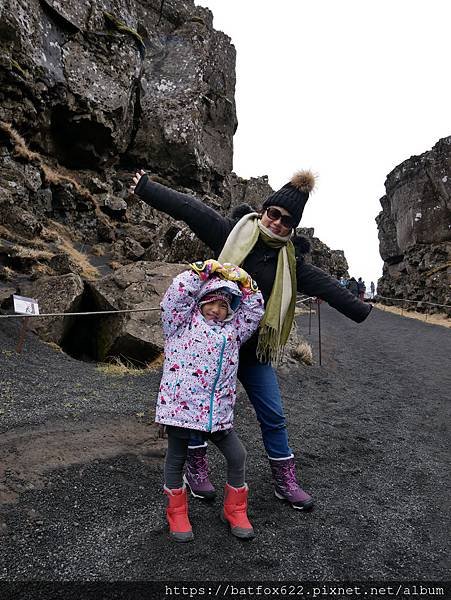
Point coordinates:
[(348, 89)]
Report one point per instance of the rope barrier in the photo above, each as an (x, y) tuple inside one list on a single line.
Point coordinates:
[(301, 300), (80, 314), (413, 301)]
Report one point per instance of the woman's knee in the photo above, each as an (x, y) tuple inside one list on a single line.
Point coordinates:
[(272, 421)]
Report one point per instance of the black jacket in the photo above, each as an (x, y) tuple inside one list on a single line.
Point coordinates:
[(261, 263)]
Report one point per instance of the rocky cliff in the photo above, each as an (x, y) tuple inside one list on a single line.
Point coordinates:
[(415, 229), (90, 92)]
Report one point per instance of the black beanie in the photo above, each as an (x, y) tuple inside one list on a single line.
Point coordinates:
[(293, 195)]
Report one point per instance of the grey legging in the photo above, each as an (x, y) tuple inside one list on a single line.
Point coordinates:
[(227, 442)]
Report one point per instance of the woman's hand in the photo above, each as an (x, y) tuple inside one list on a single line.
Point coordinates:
[(135, 181)]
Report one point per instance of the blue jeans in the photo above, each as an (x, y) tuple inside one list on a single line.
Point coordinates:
[(261, 385)]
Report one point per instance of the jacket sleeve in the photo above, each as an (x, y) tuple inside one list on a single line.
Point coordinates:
[(208, 225), (179, 301), (248, 315), (315, 282)]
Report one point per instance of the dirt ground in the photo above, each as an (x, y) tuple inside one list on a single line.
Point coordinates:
[(81, 467)]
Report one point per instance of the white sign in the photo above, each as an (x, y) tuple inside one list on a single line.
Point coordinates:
[(25, 306)]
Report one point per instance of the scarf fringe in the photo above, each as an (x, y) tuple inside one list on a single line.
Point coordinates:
[(269, 348)]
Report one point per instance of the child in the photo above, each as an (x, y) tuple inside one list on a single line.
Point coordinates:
[(207, 313)]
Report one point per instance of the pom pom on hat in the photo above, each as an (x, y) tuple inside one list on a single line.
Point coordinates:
[(304, 181)]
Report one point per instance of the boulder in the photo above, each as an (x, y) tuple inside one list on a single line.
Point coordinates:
[(56, 294), (135, 336), (6, 293)]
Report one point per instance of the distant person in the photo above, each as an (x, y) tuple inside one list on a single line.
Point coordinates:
[(353, 286), (372, 289), (205, 318), (343, 282), (361, 289), (265, 244)]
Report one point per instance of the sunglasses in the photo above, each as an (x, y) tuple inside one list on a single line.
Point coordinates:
[(274, 214)]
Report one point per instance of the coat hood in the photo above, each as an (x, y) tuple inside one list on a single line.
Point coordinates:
[(215, 283)]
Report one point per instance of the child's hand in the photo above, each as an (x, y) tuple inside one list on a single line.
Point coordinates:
[(239, 275), (135, 181), (205, 268), (227, 271)]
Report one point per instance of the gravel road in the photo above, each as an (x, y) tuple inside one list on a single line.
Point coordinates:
[(81, 467)]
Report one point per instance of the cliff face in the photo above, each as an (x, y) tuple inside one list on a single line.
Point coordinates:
[(89, 93), (415, 228), (118, 83)]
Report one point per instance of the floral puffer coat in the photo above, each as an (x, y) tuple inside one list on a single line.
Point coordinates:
[(198, 387)]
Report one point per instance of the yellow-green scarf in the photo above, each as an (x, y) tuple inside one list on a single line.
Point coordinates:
[(275, 327)]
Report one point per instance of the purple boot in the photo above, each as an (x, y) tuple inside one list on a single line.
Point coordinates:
[(196, 473), (286, 486)]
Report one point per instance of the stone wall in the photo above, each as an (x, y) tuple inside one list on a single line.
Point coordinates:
[(415, 228)]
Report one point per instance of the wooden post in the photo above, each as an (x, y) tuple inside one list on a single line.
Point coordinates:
[(319, 329), (22, 334), (310, 317)]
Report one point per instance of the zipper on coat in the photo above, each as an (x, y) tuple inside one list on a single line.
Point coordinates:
[(210, 421)]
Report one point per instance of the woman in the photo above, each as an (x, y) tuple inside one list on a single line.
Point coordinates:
[(261, 244)]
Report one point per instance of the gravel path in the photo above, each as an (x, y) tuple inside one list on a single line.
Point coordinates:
[(81, 469)]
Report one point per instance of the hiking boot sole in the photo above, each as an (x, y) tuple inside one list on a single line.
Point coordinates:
[(306, 506), (182, 537), (242, 534)]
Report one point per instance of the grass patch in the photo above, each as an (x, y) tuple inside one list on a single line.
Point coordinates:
[(302, 352), (98, 250), (121, 366), (31, 253), (18, 239), (54, 346), (434, 319), (63, 239), (20, 146), (55, 175), (7, 274), (81, 260)]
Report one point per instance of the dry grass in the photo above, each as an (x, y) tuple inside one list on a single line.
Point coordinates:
[(58, 231), (80, 259), (8, 273), (63, 238), (98, 250), (48, 235), (302, 352), (35, 249), (120, 367), (434, 319), (18, 239), (20, 146), (54, 346), (114, 264), (53, 175), (156, 363), (56, 176), (41, 269), (31, 253)]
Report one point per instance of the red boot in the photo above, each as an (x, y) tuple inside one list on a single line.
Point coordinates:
[(235, 512), (177, 515)]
